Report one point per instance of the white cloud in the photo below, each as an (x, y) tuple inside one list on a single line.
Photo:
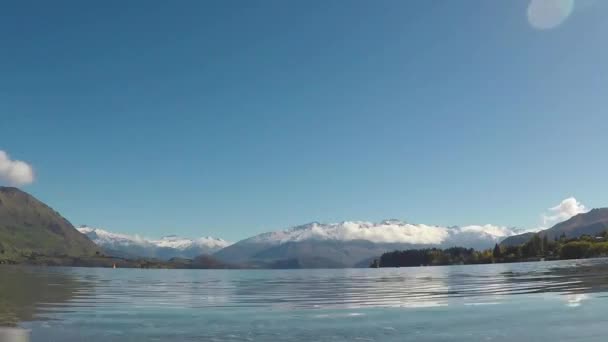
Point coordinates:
[(548, 14), (388, 232), (394, 231), (563, 211), (385, 232), (15, 172), (488, 229)]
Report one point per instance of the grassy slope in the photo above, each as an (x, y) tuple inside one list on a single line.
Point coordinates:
[(29, 226)]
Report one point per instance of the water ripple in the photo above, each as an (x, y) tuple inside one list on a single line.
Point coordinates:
[(107, 291)]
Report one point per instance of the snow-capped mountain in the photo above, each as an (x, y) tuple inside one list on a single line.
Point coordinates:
[(388, 231), (173, 241), (352, 242), (106, 238), (164, 248)]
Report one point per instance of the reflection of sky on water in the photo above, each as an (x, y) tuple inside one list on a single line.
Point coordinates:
[(463, 303), (128, 291), (343, 289)]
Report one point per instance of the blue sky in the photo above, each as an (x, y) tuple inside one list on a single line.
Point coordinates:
[(231, 118)]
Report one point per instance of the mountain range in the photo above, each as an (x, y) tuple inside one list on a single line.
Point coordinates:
[(172, 246), (29, 227), (344, 244), (353, 243)]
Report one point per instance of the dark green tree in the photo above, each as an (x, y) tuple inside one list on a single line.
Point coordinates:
[(545, 244), (497, 252), (537, 242)]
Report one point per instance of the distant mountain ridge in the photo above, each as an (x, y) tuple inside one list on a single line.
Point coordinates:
[(590, 223), (165, 248), (28, 226), (387, 231), (351, 243)]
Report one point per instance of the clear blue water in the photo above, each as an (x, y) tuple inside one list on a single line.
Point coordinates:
[(559, 301)]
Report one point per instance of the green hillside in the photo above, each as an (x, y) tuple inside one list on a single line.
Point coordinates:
[(29, 227), (592, 223)]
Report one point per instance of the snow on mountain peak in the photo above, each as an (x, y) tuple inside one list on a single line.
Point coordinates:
[(389, 231), (173, 241), (105, 238)]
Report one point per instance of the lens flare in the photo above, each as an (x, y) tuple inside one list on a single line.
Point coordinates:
[(548, 14)]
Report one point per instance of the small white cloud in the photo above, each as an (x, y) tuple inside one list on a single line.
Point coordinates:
[(563, 211), (548, 14), (15, 172)]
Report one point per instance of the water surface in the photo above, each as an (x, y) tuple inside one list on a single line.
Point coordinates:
[(564, 301)]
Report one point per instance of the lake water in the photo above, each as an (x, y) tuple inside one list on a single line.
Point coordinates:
[(554, 301)]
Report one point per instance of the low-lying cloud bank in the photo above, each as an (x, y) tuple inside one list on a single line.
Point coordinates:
[(395, 231), (15, 172), (391, 231)]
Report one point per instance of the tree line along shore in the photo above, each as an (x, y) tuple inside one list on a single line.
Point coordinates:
[(536, 249)]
